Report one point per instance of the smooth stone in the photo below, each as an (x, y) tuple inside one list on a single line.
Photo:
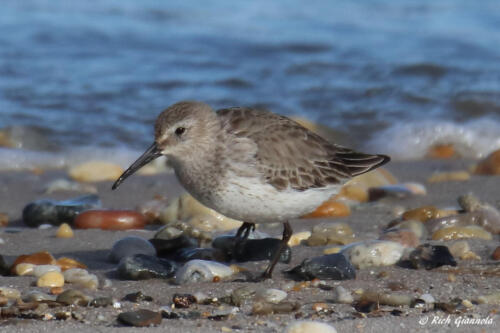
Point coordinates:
[(251, 249), (168, 247), (298, 237), (416, 227), (439, 177), (168, 232), (457, 232), (391, 299), (186, 208), (75, 274), (486, 215), (130, 246), (137, 297), (356, 189), (50, 279), (330, 209), (62, 184), (10, 293), (37, 296), (142, 267), (140, 318), (421, 214), (427, 298), (67, 263), (431, 256), (152, 209), (24, 269), (40, 270), (110, 220), (461, 249), (201, 270), (65, 231), (73, 297), (342, 295), (271, 295), (332, 266), (489, 165), (209, 254), (58, 212), (407, 238), (95, 171), (38, 258), (332, 233), (397, 191), (243, 294), (101, 302), (442, 151), (373, 253), (309, 326)]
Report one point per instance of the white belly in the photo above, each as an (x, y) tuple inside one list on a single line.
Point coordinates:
[(247, 200)]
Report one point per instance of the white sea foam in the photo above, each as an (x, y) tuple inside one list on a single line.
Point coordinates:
[(473, 139), (20, 159)]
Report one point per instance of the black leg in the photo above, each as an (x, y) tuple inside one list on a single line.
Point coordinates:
[(244, 230), (287, 233)]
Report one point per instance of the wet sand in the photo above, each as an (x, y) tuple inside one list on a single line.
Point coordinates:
[(91, 247)]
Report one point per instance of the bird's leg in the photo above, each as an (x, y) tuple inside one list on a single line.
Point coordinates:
[(244, 230), (287, 233)]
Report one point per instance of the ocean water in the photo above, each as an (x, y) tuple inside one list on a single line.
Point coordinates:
[(86, 79)]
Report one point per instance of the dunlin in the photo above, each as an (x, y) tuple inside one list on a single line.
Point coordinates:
[(251, 165)]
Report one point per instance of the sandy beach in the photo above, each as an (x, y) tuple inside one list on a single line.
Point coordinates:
[(91, 247)]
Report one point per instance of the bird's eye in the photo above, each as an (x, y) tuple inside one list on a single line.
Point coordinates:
[(179, 131)]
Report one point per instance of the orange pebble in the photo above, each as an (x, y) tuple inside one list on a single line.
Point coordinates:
[(490, 165), (442, 151), (56, 290), (422, 214), (330, 209), (496, 254), (110, 220), (68, 263), (39, 258)]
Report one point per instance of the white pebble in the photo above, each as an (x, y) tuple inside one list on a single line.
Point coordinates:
[(373, 253), (342, 295), (201, 270), (427, 298), (309, 327), (271, 295)]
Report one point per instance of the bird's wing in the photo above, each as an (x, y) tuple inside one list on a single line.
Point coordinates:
[(290, 156)]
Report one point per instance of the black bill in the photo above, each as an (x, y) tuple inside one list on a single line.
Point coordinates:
[(152, 153)]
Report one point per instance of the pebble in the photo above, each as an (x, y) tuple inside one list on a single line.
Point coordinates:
[(458, 232), (40, 270), (405, 237), (37, 296), (67, 263), (142, 267), (330, 208), (416, 227), (95, 171), (152, 209), (490, 165), (449, 176), (64, 231), (57, 212), (427, 298), (373, 253), (332, 233), (137, 297), (186, 208), (298, 237), (110, 220), (342, 295), (201, 270), (442, 151), (140, 318), (422, 214), (271, 295), (240, 295), (50, 279), (461, 249), (264, 308), (39, 258), (398, 191), (357, 188), (24, 269), (481, 214), (333, 266), (4, 219), (431, 256), (73, 297), (309, 326), (496, 254), (101, 302), (168, 232), (10, 293), (183, 301), (68, 185), (130, 246), (168, 247)]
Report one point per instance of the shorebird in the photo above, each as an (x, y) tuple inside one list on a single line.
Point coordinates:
[(251, 165)]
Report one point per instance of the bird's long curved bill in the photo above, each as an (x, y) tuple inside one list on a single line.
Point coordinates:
[(152, 153)]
